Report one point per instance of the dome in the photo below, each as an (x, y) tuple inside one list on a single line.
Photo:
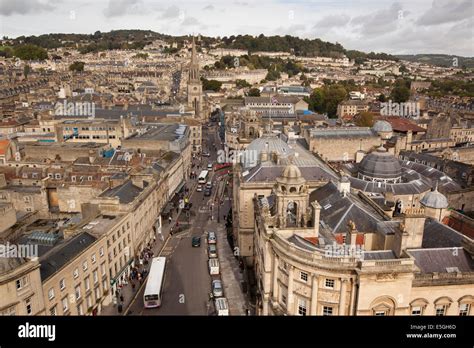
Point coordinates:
[(380, 165), (434, 199), (291, 172), (382, 126), (269, 143)]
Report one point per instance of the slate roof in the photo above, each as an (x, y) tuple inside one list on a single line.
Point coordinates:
[(126, 192), (337, 210), (63, 254), (440, 260), (438, 235)]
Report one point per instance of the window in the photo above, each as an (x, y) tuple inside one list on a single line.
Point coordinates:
[(53, 311), (104, 285), (329, 283), (51, 293), (97, 293), (84, 265), (101, 251), (78, 292), (21, 283), (28, 306), (440, 310), (65, 303), (102, 269), (9, 311), (89, 301), (87, 284), (283, 299), (76, 273), (73, 178), (96, 277), (93, 258), (304, 276), (57, 176), (380, 313), (416, 311), (62, 284), (464, 309), (301, 307), (79, 310), (327, 310)]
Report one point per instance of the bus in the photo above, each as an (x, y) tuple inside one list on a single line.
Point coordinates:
[(203, 177), (154, 285)]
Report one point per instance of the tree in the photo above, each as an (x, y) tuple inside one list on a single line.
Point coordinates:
[(77, 66), (253, 92), (242, 83), (365, 119), (382, 98), (316, 101), (26, 71), (211, 85), (400, 92), (30, 52), (333, 96)]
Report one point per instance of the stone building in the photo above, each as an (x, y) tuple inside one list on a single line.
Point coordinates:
[(346, 258)]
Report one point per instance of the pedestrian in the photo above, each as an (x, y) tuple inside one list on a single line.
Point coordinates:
[(133, 286), (121, 298), (169, 219)]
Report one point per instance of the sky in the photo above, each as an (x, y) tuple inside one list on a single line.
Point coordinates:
[(396, 27)]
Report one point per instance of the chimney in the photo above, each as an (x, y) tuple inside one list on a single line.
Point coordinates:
[(316, 217), (410, 232), (351, 236)]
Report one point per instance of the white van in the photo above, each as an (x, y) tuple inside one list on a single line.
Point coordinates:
[(222, 307), (214, 266)]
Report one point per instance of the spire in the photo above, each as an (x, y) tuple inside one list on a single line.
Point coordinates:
[(193, 54)]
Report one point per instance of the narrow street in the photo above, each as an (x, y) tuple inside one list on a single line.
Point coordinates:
[(187, 283)]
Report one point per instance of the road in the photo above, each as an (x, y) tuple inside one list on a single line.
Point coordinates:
[(187, 283)]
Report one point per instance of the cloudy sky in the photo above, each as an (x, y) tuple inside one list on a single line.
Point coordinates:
[(405, 26)]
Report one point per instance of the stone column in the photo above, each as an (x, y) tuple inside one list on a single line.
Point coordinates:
[(342, 299), (275, 278), (290, 297), (314, 296)]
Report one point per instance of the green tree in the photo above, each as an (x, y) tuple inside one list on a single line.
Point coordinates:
[(211, 85), (77, 66), (242, 83), (30, 52), (316, 101), (253, 92), (333, 96), (382, 98), (400, 93), (26, 71)]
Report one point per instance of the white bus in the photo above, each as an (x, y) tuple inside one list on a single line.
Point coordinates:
[(203, 177), (154, 285)]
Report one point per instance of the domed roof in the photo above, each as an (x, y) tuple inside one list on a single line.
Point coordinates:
[(291, 175), (382, 126), (269, 143), (380, 164), (291, 172), (434, 199)]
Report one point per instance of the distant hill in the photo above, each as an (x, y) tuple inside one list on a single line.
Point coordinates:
[(137, 39), (445, 60)]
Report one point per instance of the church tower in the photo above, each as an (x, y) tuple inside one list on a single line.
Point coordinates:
[(194, 84)]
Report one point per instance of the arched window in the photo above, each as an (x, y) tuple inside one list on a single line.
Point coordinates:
[(418, 306), (383, 306), (292, 189)]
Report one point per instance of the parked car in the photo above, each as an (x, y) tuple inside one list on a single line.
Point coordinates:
[(214, 266), (217, 289), (211, 237), (209, 166), (212, 250), (196, 241), (207, 192), (209, 185), (222, 307), (199, 188)]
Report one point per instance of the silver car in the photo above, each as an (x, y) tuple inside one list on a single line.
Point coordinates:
[(217, 289)]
